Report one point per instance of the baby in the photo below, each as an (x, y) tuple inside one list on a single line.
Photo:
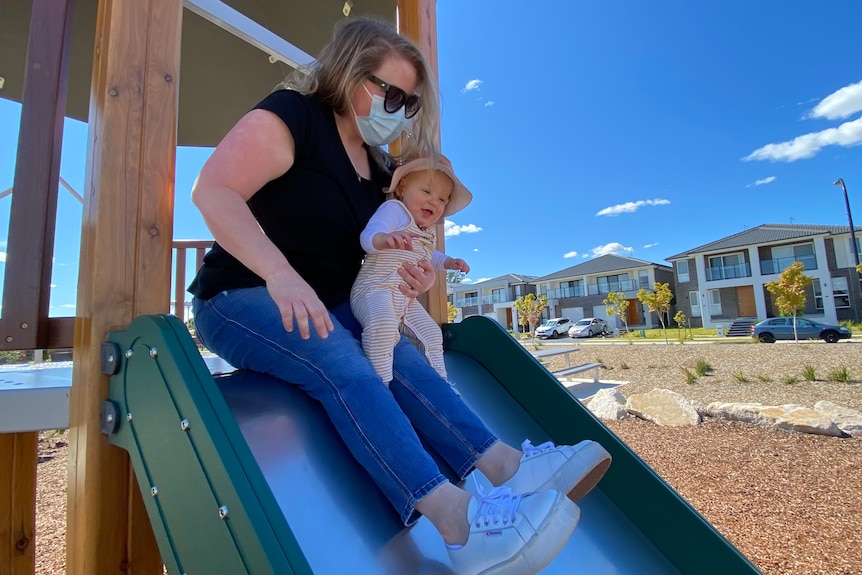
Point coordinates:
[(403, 230)]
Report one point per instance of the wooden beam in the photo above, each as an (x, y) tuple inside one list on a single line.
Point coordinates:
[(18, 460), (125, 266), (30, 248), (417, 19)]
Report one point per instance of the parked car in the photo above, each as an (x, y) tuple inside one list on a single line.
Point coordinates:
[(554, 327), (588, 327), (775, 328)]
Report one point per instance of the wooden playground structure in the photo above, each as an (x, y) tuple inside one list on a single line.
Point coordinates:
[(140, 104)]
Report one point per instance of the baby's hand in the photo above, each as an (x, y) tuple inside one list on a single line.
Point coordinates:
[(457, 264), (393, 241)]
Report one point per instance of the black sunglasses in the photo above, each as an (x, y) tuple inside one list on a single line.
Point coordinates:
[(396, 98)]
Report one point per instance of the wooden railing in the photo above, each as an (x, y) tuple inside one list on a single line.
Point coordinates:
[(180, 248)]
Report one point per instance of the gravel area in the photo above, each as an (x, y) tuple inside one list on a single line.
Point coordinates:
[(792, 503)]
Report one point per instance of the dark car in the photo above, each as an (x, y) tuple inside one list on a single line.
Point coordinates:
[(775, 328)]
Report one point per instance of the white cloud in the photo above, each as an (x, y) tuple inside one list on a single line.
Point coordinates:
[(611, 248), (472, 85), (630, 207), (648, 246), (763, 182), (451, 229), (69, 305), (53, 286), (840, 104), (2, 257), (475, 249), (807, 145), (480, 280), (489, 103), (570, 255)]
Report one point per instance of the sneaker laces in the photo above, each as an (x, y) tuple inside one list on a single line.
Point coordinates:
[(499, 504), (531, 451)]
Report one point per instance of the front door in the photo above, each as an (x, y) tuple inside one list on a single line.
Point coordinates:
[(633, 315), (745, 301)]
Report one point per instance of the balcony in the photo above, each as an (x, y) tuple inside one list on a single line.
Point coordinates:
[(467, 302), (777, 266), (564, 292), (734, 271), (613, 287), (494, 298)]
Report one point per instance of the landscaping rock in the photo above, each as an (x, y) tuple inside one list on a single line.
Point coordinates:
[(663, 407), (787, 417), (848, 420), (608, 404)]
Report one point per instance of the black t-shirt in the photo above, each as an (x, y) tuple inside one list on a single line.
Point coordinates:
[(313, 213)]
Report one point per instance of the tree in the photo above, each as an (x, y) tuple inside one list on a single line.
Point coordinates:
[(681, 323), (789, 292), (455, 276), (618, 305), (658, 300), (451, 311), (529, 308)]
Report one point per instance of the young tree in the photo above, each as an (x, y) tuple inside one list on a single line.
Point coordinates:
[(618, 305), (789, 292), (529, 308), (455, 276), (658, 300), (681, 323), (451, 311)]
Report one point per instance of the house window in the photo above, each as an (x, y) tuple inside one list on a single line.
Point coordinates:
[(682, 272), (783, 256), (818, 294), (609, 284), (840, 292), (694, 298), (727, 267), (498, 295), (643, 279)]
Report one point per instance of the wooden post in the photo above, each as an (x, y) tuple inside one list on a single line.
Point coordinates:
[(125, 266), (417, 19), (18, 502)]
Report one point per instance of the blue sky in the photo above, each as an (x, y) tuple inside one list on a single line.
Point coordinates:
[(585, 128)]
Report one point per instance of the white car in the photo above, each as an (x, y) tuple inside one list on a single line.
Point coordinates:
[(588, 327), (553, 328)]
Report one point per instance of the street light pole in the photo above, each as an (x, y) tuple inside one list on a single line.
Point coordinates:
[(840, 181)]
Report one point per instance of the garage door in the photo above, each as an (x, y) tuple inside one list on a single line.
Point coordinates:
[(601, 311), (573, 313)]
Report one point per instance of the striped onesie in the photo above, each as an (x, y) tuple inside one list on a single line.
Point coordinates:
[(377, 303)]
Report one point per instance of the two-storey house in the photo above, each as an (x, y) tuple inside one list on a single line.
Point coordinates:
[(492, 298), (724, 280), (579, 291)]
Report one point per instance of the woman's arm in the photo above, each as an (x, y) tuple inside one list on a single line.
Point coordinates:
[(258, 149)]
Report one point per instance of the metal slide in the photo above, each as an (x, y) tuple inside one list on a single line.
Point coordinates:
[(244, 474)]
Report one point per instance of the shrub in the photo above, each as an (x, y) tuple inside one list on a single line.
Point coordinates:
[(702, 367), (808, 372), (789, 379), (763, 378), (624, 365), (841, 375), (740, 377), (690, 377)]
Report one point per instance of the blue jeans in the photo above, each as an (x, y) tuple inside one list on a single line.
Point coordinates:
[(380, 425)]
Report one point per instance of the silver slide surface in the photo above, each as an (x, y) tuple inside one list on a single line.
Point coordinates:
[(343, 523)]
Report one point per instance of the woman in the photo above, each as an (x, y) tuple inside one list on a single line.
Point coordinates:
[(286, 194)]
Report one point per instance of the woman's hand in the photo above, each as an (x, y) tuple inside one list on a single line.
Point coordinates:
[(298, 303), (417, 278)]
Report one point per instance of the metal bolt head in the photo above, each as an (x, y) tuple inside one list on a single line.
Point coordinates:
[(24, 325), (8, 339), (111, 358), (154, 490), (129, 354), (184, 425), (222, 512), (109, 417), (129, 416), (153, 352)]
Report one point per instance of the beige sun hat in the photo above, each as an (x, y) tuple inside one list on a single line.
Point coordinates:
[(460, 197)]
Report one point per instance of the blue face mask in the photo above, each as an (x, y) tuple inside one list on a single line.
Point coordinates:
[(380, 127)]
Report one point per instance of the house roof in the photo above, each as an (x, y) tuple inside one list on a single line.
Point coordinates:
[(765, 234), (606, 263), (507, 278)]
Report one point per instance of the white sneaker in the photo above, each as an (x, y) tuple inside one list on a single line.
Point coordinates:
[(570, 469), (514, 534)]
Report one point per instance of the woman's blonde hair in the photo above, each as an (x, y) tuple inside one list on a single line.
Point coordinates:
[(358, 47)]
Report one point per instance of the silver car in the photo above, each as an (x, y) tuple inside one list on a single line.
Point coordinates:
[(588, 327)]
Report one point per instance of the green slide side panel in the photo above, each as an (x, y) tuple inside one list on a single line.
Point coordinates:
[(690, 542), (209, 504)]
